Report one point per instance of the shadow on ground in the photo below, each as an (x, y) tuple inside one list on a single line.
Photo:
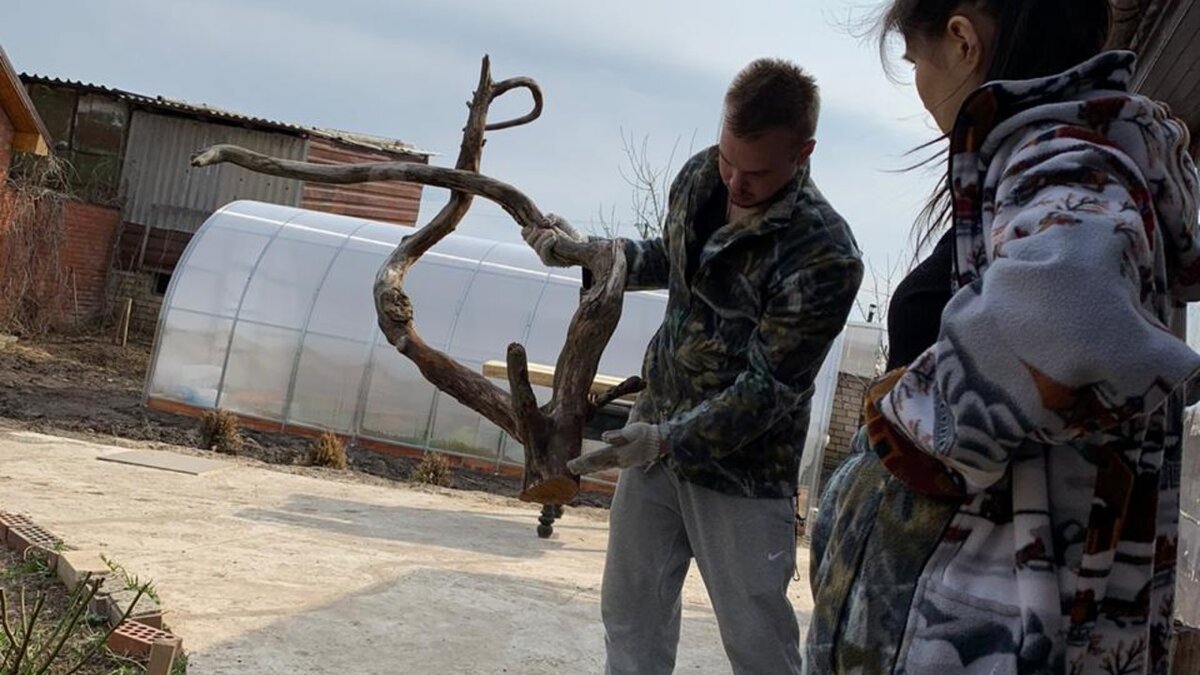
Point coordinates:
[(447, 621), (465, 530)]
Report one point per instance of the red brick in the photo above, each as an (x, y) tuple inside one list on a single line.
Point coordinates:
[(845, 421), (8, 520), (162, 656), (6, 140), (75, 566), (91, 232), (145, 610), (135, 639), (21, 538)]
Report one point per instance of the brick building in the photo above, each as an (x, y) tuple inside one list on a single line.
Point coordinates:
[(130, 155), (862, 348)]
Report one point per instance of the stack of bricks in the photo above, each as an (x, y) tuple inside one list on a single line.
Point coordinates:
[(141, 637), (844, 422)]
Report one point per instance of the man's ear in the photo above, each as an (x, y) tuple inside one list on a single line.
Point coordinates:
[(806, 151)]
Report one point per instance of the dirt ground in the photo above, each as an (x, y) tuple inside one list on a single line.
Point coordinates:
[(265, 572), (86, 387), (28, 582)]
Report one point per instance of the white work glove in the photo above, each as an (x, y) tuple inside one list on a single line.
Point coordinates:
[(542, 239), (639, 443)]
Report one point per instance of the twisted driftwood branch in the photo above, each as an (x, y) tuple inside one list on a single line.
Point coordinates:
[(552, 434), (630, 386)]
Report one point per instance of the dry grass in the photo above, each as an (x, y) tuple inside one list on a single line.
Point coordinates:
[(434, 469), (328, 451), (219, 431), (34, 284)]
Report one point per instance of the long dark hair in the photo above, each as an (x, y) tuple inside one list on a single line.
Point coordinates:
[(1033, 38)]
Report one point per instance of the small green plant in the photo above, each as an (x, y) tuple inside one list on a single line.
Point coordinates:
[(132, 582), (29, 649), (34, 563), (434, 469), (219, 431), (328, 450)]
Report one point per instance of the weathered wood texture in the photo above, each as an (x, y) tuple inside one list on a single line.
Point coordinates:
[(552, 434)]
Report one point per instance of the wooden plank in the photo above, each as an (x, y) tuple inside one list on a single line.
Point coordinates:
[(541, 375), (31, 142), (123, 329)]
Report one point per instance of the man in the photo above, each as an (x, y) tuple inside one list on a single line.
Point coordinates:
[(761, 273)]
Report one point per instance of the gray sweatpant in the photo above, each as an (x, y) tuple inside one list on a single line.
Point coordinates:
[(745, 549)]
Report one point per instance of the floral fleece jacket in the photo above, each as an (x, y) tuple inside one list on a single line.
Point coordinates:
[(1050, 409)]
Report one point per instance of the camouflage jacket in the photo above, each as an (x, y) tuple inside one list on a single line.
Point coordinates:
[(731, 369)]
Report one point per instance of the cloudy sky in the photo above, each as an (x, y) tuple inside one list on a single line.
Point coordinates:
[(400, 68)]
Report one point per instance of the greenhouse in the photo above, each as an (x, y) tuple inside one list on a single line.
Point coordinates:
[(270, 315)]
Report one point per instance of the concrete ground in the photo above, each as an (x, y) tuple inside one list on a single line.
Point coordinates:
[(264, 571)]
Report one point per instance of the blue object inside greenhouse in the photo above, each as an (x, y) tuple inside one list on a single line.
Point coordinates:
[(270, 314)]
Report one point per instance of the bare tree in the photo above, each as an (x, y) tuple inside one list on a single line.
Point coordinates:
[(873, 300), (552, 434), (650, 185), (875, 297)]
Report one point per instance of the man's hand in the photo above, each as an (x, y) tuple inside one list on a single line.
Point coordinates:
[(543, 239), (638, 443)]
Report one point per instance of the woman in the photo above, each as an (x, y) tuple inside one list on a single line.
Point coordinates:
[(1013, 502)]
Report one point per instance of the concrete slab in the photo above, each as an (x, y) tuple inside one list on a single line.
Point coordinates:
[(262, 571), (166, 461)]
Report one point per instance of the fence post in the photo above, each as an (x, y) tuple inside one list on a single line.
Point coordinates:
[(123, 328)]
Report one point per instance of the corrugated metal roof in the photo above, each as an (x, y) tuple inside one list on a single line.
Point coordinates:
[(164, 190), (204, 110), (368, 141)]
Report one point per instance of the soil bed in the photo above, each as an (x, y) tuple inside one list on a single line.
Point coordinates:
[(87, 387)]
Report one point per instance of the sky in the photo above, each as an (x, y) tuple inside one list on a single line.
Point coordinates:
[(653, 70)]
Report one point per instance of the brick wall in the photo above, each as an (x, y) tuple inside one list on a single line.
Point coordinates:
[(91, 232), (140, 286), (6, 141), (845, 421)]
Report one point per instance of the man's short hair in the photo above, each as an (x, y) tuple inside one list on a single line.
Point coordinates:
[(772, 93)]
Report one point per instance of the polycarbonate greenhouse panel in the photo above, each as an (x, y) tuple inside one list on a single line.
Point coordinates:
[(271, 314), (342, 308), (641, 316), (548, 330), (437, 290), (812, 461), (328, 380), (498, 310), (398, 400), (217, 271), (277, 295), (190, 358), (258, 370)]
